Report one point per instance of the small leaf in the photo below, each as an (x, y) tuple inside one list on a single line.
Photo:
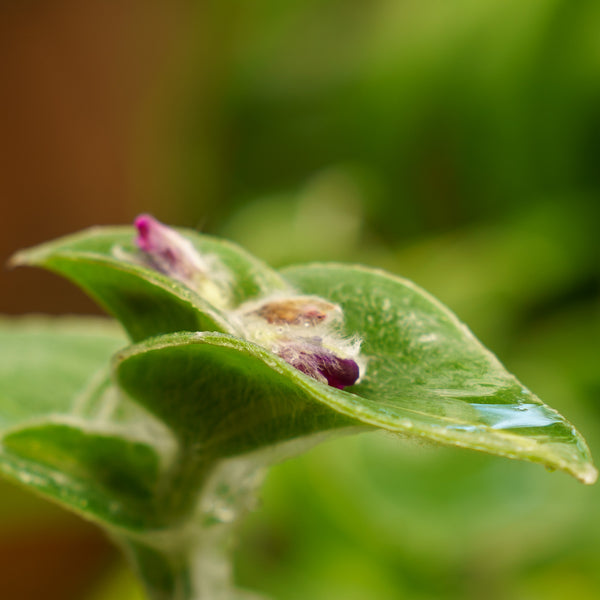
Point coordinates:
[(106, 477), (64, 430), (108, 266), (45, 363)]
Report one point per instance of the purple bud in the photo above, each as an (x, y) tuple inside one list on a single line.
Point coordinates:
[(168, 251), (321, 364), (339, 372)]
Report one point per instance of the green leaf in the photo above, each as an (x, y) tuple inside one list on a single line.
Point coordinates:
[(64, 430), (103, 476), (102, 261), (428, 376), (45, 363)]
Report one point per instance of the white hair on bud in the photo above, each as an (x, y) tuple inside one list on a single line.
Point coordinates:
[(294, 326)]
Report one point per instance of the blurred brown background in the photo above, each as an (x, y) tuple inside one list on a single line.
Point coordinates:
[(81, 86)]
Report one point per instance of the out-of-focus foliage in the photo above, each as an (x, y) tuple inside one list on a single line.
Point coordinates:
[(431, 115)]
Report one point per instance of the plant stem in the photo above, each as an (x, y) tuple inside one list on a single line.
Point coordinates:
[(190, 560)]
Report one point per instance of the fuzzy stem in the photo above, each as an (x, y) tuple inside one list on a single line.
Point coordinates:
[(190, 560)]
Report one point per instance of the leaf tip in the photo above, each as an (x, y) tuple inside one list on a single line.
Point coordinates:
[(588, 474), (28, 257), (19, 259)]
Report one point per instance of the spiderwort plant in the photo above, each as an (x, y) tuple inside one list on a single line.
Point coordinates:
[(230, 367)]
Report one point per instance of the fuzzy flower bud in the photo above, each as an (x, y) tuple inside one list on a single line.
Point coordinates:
[(320, 363), (172, 254), (303, 331), (169, 252)]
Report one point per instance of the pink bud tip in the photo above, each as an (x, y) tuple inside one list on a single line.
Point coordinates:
[(143, 224), (167, 251)]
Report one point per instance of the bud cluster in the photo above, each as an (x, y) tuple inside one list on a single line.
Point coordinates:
[(302, 330)]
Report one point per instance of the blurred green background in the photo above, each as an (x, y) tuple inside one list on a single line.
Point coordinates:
[(455, 143)]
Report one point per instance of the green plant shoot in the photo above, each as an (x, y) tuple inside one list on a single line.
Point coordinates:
[(163, 438)]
